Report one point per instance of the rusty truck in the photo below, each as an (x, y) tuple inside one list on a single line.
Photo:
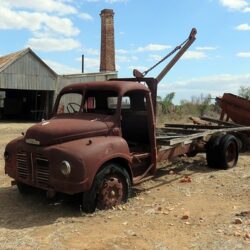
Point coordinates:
[(102, 139)]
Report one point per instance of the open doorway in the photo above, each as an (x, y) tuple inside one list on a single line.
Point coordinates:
[(26, 105)]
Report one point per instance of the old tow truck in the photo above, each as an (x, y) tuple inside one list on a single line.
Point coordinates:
[(102, 139)]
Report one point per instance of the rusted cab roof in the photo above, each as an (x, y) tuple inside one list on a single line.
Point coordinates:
[(121, 87)]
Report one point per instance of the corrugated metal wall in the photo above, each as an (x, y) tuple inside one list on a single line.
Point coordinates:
[(27, 73)]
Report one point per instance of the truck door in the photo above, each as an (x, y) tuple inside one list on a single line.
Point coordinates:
[(137, 126)]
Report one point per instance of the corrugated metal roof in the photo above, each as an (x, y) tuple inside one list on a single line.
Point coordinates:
[(7, 60)]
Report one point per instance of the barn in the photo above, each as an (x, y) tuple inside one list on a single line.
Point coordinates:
[(28, 86)]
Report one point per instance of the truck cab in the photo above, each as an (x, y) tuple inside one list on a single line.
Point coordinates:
[(100, 139)]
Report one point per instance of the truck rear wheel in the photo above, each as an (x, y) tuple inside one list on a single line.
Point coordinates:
[(111, 187), (229, 151), (212, 151), (222, 151)]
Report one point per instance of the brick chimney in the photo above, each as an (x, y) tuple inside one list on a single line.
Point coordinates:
[(107, 41)]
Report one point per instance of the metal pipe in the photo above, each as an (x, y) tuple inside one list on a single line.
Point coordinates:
[(188, 43), (82, 63)]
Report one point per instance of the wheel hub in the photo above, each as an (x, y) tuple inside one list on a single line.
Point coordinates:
[(111, 193)]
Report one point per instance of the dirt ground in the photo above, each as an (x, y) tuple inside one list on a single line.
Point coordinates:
[(164, 213)]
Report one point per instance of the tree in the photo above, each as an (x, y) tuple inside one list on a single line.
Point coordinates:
[(203, 103), (199, 105), (167, 102), (244, 92)]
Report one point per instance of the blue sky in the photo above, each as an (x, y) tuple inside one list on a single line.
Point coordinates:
[(59, 31)]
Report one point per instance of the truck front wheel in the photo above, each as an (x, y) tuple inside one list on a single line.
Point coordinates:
[(111, 187)]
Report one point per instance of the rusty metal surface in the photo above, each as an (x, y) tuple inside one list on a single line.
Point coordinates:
[(112, 192), (235, 108), (173, 152), (119, 86), (85, 157)]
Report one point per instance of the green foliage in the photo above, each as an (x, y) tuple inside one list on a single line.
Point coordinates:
[(198, 105), (167, 102), (244, 92)]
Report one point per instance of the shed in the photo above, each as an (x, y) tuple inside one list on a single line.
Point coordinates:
[(27, 86)]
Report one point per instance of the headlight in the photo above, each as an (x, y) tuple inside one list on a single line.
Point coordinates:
[(65, 168), (6, 156)]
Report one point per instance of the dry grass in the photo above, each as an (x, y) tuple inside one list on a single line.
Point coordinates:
[(151, 219)]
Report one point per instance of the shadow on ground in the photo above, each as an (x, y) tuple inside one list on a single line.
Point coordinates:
[(31, 210), (182, 167)]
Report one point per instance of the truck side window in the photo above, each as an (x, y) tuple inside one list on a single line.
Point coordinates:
[(100, 102), (112, 102)]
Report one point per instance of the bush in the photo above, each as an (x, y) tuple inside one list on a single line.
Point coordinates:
[(244, 92)]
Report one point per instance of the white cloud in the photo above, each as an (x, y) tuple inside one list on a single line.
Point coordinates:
[(86, 16), (61, 68), (236, 5), (243, 27), (138, 67), (90, 64), (215, 85), (53, 44), (246, 10), (90, 51), (41, 5), (108, 1), (116, 1), (192, 54), (36, 21), (121, 51), (244, 54), (126, 59), (155, 57), (206, 48), (154, 47)]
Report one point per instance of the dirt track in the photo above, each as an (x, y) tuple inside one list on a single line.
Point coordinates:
[(152, 219)]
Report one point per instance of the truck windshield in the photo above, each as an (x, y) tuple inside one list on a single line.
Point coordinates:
[(70, 103), (93, 101)]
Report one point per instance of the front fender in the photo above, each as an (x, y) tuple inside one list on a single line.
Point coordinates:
[(96, 151)]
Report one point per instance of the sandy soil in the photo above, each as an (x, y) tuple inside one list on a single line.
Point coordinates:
[(163, 213)]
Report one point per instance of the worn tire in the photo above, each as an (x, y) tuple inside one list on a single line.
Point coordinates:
[(24, 188), (229, 151), (111, 187), (222, 152), (212, 151)]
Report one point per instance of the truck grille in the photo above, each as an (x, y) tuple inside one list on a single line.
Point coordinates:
[(42, 170), (22, 165), (33, 167)]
